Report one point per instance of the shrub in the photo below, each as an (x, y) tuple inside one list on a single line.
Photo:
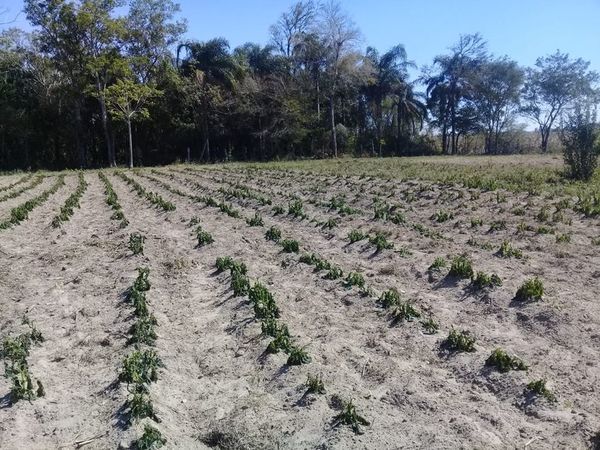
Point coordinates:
[(483, 281), (136, 243), (355, 236), (460, 341), (539, 387), (290, 246), (390, 298), (152, 439), (504, 362), (256, 221), (349, 416), (380, 242), (461, 267), (530, 290), (354, 279), (580, 138), (273, 234)]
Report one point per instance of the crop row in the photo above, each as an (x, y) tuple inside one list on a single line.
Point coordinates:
[(21, 180), (21, 212), (112, 200), (67, 210), (35, 182), (152, 197)]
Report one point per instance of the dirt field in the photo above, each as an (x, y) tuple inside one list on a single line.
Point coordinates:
[(389, 355)]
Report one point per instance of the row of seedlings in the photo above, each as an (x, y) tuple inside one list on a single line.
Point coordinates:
[(67, 210), (152, 197), (15, 351), (140, 367), (21, 212), (265, 310), (112, 200), (21, 180), (35, 182)]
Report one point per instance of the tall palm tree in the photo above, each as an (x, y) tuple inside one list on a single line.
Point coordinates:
[(208, 65), (411, 111)]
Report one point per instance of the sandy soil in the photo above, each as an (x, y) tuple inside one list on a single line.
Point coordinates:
[(218, 385)]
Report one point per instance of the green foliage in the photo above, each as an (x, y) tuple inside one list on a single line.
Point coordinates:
[(404, 311), (240, 284), (264, 303), (563, 238), (333, 273), (296, 209), (475, 222), (270, 327), (355, 236), (314, 384), (273, 234), (204, 237), (281, 342), (390, 298), (349, 416), (152, 439), (142, 331), (508, 251), (483, 281), (539, 388), (297, 356), (504, 362), (140, 405), (141, 191), (380, 242), (354, 279), (461, 267), (498, 225), (140, 367), (142, 283), (72, 202), (136, 243), (278, 210), (256, 221), (531, 290), (438, 264), (442, 216), (290, 246), (460, 341), (430, 326), (581, 141)]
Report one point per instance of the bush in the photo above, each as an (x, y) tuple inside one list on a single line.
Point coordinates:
[(581, 143)]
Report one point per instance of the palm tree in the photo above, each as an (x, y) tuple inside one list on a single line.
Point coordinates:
[(209, 66), (411, 111)]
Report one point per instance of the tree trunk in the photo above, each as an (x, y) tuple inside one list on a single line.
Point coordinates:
[(333, 131), (130, 144), (78, 142), (104, 118)]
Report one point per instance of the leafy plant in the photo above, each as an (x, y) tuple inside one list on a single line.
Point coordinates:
[(460, 341), (355, 236), (270, 327), (563, 238), (264, 303), (136, 243), (531, 290), (290, 246), (296, 209), (476, 222), (277, 210), (297, 356), (506, 250), (333, 273), (484, 281), (281, 342), (240, 284), (142, 283), (497, 225), (140, 405), (140, 367), (142, 331), (349, 416), (72, 202), (442, 216), (380, 242), (256, 221), (273, 234), (404, 311), (314, 384), (539, 387), (204, 237), (152, 439), (504, 362), (430, 326), (438, 264), (461, 267), (354, 279), (390, 298)]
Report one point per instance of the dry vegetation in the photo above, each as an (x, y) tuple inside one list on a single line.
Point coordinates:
[(398, 303)]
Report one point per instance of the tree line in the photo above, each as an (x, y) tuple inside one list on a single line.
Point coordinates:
[(93, 86)]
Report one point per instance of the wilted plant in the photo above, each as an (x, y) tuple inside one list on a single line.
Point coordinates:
[(430, 326), (140, 367), (152, 439), (350, 417), (530, 290), (404, 311), (504, 362)]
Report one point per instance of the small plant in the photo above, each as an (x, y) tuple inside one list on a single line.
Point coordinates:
[(460, 341), (545, 230), (329, 224), (270, 327), (355, 236), (484, 281), (390, 298), (333, 273), (498, 225), (277, 210), (438, 264), (240, 284), (530, 290), (539, 388), (281, 342), (296, 209), (404, 312), (273, 234), (350, 417), (442, 216), (354, 279), (140, 367), (297, 356), (563, 238), (256, 221), (141, 283), (506, 250), (204, 237), (380, 242), (142, 331), (264, 303), (461, 267), (430, 326), (543, 215), (314, 384), (504, 362), (476, 222), (223, 263), (290, 246), (152, 439), (140, 405)]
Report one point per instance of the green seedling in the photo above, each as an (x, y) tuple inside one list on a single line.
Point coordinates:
[(350, 417), (273, 234), (530, 290), (504, 362), (460, 341), (136, 243)]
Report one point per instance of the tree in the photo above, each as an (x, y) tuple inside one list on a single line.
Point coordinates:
[(553, 86), (496, 94), (128, 101), (292, 26), (580, 136)]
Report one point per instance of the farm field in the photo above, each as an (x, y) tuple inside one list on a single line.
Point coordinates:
[(391, 303)]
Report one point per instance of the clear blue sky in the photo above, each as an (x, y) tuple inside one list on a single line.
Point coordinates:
[(522, 29)]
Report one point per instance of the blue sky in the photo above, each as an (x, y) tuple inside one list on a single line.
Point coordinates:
[(522, 29)]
